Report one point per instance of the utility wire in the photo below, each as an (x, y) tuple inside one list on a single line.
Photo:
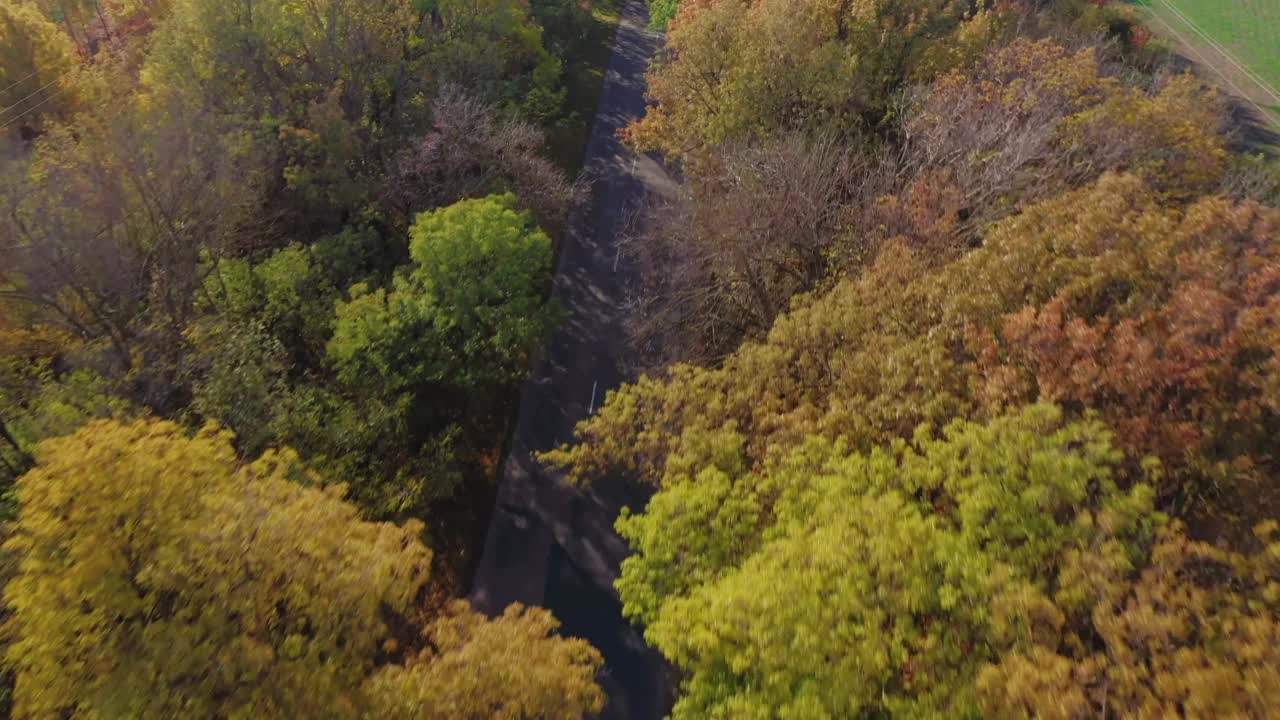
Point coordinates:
[(1266, 86), (31, 95), (16, 84), (19, 116)]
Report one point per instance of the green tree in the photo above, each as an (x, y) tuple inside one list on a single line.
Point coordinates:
[(159, 576), (288, 293), (279, 56), (661, 12), (494, 47), (42, 395), (467, 313), (243, 382)]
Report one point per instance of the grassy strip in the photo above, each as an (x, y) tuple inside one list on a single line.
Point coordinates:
[(1248, 29), (1220, 47)]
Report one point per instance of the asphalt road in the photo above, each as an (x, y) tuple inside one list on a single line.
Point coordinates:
[(548, 544)]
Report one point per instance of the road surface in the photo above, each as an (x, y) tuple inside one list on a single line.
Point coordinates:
[(549, 545)]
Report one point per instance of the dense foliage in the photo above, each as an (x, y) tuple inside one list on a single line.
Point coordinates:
[(926, 578), (964, 338), (1027, 121), (202, 184), (742, 68), (322, 225), (157, 577), (977, 412), (467, 312)]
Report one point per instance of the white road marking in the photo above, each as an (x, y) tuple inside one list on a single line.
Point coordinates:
[(616, 254), (592, 408)]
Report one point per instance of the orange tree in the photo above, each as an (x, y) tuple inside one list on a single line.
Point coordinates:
[(1162, 319)]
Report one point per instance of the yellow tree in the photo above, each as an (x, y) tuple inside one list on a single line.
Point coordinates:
[(157, 577), (997, 567), (738, 68)]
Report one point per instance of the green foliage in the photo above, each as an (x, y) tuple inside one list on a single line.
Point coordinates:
[(37, 402), (345, 61), (395, 459), (376, 338), (287, 293), (244, 384), (157, 575), (411, 362), (991, 570), (661, 12), (397, 456), (486, 266), (468, 311), (283, 55), (494, 47), (325, 152), (61, 404), (700, 524)]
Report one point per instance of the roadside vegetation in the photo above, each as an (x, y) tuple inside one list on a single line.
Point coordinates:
[(271, 271), (1233, 43), (963, 370), (962, 344)]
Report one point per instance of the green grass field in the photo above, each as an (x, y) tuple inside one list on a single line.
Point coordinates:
[(1248, 30)]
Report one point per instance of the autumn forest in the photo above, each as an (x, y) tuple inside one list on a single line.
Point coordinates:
[(953, 381)]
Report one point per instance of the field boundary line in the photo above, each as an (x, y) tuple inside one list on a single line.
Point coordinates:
[(1253, 75), (1267, 115)]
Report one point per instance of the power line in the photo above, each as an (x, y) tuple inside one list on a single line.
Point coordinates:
[(1225, 53), (1191, 45), (19, 116), (16, 84), (28, 97)]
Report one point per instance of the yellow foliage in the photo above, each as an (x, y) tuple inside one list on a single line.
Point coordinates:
[(157, 577)]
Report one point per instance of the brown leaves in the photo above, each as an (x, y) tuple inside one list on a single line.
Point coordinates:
[(1031, 120), (1154, 318), (471, 152), (1193, 634)]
